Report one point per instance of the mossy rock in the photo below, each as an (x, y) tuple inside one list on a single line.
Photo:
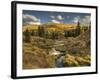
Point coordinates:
[(61, 48)]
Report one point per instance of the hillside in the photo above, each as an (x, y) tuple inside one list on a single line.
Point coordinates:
[(50, 26), (36, 54), (30, 27)]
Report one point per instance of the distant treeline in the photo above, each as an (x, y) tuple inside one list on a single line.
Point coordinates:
[(43, 32)]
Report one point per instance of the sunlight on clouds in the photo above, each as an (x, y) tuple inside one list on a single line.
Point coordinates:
[(57, 19), (33, 18), (53, 17), (86, 20), (35, 23), (76, 19), (30, 19), (83, 20)]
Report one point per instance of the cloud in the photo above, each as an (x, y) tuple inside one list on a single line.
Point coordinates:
[(53, 17), (59, 17), (83, 20), (55, 21), (30, 19), (86, 20), (76, 19), (35, 23)]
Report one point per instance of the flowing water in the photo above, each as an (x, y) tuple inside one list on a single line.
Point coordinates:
[(58, 61)]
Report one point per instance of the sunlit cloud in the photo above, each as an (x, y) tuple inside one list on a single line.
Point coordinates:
[(76, 19), (35, 23), (30, 19), (53, 17), (55, 21), (86, 20), (59, 17), (83, 20)]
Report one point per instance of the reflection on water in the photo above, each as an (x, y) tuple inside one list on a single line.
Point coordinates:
[(60, 55), (58, 61)]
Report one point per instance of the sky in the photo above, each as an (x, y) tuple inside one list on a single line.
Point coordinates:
[(38, 17)]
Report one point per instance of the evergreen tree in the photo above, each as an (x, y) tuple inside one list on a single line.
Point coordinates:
[(46, 34), (41, 31), (90, 26), (78, 30), (32, 32), (54, 35), (65, 33), (27, 36)]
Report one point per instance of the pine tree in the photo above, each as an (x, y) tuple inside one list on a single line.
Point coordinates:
[(54, 35), (78, 30), (65, 33), (27, 36), (46, 34), (41, 31)]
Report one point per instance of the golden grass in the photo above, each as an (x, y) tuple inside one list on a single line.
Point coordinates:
[(30, 27), (55, 27)]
